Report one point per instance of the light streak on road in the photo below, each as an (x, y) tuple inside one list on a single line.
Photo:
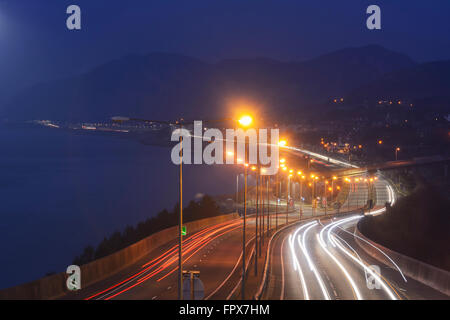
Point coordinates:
[(349, 254), (166, 259), (302, 243), (381, 251), (367, 269), (336, 260), (295, 261)]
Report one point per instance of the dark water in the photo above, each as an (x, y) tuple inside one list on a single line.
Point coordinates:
[(60, 191)]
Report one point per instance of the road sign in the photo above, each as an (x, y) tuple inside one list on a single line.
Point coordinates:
[(183, 230), (193, 288)]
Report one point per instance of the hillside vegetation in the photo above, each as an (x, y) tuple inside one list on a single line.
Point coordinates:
[(417, 225)]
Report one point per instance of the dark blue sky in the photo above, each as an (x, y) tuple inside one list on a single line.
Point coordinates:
[(35, 44)]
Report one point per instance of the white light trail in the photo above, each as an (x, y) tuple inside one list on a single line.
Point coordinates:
[(367, 269), (334, 258), (302, 244), (317, 155), (346, 274), (295, 261)]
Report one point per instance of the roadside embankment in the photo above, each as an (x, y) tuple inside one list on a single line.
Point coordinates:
[(429, 275)]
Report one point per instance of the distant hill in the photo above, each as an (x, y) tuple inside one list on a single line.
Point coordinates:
[(428, 80), (165, 86)]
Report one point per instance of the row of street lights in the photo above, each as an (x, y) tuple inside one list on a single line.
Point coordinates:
[(244, 121)]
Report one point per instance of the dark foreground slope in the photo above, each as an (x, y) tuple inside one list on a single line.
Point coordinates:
[(417, 225)]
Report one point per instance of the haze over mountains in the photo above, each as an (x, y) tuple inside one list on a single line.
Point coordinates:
[(168, 86)]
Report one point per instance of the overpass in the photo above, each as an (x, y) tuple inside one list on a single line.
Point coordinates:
[(349, 169), (392, 165)]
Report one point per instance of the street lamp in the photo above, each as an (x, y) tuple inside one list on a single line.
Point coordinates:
[(244, 121), (334, 178), (300, 177), (288, 193), (314, 192), (178, 123), (257, 169), (268, 205), (396, 153), (282, 143)]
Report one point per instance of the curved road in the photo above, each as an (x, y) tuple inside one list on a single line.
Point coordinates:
[(320, 259)]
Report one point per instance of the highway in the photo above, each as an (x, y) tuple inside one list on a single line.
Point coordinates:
[(320, 260), (215, 251), (313, 258)]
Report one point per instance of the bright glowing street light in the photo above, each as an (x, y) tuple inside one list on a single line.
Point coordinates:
[(282, 143), (282, 160), (245, 121)]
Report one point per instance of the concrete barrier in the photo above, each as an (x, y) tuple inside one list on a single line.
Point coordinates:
[(429, 275), (54, 286)]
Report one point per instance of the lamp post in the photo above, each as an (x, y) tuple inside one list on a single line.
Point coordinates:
[(396, 153), (256, 220), (180, 216), (288, 193), (332, 187), (261, 233), (299, 173), (237, 193), (268, 205), (348, 200), (301, 196), (244, 121), (180, 227), (276, 202), (263, 209), (278, 187), (243, 231)]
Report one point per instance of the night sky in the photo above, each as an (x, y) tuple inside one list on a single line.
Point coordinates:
[(35, 44)]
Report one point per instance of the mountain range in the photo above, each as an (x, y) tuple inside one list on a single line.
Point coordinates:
[(168, 86)]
